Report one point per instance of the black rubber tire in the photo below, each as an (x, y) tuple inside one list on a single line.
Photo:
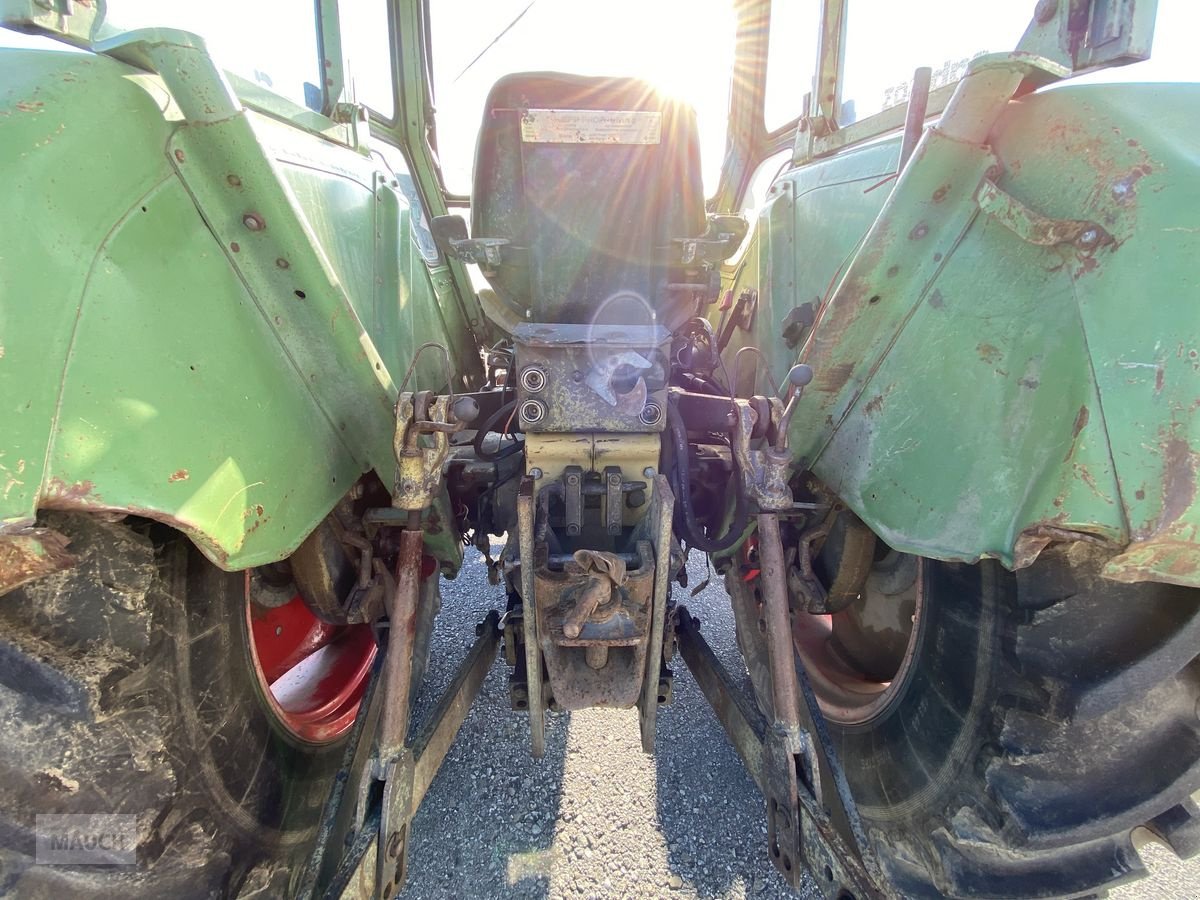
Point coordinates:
[(1047, 726), (126, 685)]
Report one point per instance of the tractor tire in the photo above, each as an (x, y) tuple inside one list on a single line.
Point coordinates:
[(127, 685), (1043, 727)]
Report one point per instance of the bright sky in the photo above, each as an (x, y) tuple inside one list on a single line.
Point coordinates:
[(682, 46)]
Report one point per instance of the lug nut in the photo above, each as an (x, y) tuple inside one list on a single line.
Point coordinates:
[(651, 414), (532, 412), (533, 379)]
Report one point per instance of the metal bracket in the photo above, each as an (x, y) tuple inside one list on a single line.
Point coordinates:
[(765, 472), (424, 424), (484, 252), (1033, 227)]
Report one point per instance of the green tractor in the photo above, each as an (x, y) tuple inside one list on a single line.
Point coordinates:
[(300, 303)]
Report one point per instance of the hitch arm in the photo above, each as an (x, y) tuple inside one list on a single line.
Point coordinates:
[(408, 779), (811, 838)]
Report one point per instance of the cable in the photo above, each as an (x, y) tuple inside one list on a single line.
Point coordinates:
[(506, 410)]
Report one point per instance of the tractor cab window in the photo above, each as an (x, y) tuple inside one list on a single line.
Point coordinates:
[(368, 51), (791, 60), (270, 42), (683, 48), (887, 41)]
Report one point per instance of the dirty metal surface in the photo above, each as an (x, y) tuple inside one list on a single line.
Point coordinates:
[(802, 839), (108, 374), (611, 377), (661, 515), (31, 554), (1024, 391), (621, 626)]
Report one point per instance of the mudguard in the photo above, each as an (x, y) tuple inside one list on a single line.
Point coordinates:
[(1006, 346), (204, 309)]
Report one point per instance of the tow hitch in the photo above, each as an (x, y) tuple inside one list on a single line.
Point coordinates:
[(812, 822)]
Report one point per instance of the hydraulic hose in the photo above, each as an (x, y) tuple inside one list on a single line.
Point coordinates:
[(489, 426), (693, 532)]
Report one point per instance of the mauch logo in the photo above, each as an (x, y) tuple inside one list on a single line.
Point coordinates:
[(99, 839)]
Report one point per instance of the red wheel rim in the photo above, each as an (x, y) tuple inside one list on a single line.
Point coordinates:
[(312, 674)]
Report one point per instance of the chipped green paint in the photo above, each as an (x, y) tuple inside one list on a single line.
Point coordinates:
[(211, 307), (1005, 390)]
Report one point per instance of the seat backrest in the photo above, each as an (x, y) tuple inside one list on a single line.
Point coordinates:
[(589, 179)]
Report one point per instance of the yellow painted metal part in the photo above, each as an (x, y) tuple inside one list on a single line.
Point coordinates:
[(593, 452)]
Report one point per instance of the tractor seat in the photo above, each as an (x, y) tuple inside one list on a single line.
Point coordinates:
[(586, 182)]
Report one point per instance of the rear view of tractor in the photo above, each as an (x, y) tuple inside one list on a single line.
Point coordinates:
[(931, 412)]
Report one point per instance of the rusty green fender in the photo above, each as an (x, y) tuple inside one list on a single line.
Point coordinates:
[(204, 310), (1007, 351)]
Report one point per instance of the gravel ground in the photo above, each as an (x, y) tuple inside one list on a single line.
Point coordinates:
[(597, 818)]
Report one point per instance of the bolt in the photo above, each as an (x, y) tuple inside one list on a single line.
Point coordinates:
[(253, 221), (532, 412), (648, 472), (282, 263), (651, 413), (233, 180), (535, 473), (1088, 239), (533, 379), (393, 845)]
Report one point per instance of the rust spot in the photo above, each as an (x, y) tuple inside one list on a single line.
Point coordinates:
[(179, 157), (1029, 383), (940, 194), (1124, 190), (893, 271), (989, 353), (60, 495), (1034, 539), (30, 105), (1179, 479), (1159, 379), (233, 180), (258, 509), (178, 475), (235, 246), (936, 300), (1139, 494), (833, 379), (32, 554), (875, 404), (1081, 420)]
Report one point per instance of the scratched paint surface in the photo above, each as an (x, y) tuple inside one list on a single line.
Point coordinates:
[(1026, 392), (139, 370)]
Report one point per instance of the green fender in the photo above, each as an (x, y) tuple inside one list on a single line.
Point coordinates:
[(983, 385), (204, 310)]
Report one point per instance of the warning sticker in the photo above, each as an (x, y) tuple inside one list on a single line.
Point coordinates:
[(590, 126)]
